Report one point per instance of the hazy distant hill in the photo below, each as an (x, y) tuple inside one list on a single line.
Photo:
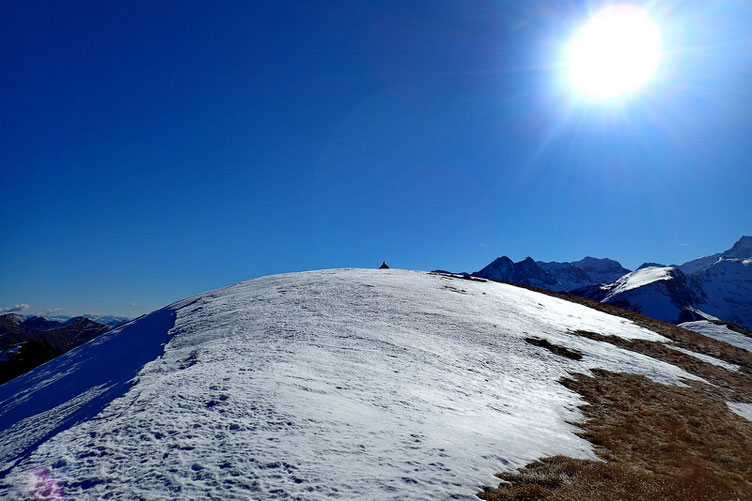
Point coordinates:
[(111, 320)]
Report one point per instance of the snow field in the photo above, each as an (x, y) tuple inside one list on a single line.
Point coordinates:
[(336, 383)]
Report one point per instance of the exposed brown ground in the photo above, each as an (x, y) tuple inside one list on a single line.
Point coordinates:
[(656, 441), (554, 348)]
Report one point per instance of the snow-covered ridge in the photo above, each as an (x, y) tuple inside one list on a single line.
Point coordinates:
[(322, 384), (639, 278)]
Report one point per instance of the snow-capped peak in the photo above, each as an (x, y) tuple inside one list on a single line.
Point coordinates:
[(640, 278)]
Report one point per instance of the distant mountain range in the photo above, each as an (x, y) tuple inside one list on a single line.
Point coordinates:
[(711, 287), (554, 275), (111, 320), (29, 341)]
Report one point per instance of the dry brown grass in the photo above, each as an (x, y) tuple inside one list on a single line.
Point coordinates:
[(656, 441), (725, 384)]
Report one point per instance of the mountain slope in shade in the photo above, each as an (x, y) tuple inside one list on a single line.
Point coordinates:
[(109, 320), (526, 272), (697, 265), (727, 283), (336, 383), (601, 271), (728, 287), (742, 249)]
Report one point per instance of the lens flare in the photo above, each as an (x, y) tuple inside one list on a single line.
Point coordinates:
[(41, 485), (617, 51)]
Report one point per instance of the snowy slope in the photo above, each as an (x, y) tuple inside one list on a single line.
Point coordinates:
[(722, 289), (707, 358), (339, 383), (726, 281), (728, 287), (661, 292), (742, 409), (720, 332), (639, 278)]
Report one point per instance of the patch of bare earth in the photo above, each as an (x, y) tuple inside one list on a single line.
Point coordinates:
[(655, 441), (554, 348)]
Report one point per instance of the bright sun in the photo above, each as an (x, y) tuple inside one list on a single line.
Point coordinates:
[(617, 50)]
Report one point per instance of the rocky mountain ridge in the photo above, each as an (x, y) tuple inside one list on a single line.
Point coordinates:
[(718, 286), (557, 276)]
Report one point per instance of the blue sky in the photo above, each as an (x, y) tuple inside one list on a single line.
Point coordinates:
[(152, 150)]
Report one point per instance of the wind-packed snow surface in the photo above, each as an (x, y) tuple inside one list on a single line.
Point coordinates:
[(341, 383)]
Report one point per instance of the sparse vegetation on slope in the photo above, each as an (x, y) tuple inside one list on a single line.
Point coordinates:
[(656, 441), (683, 337)]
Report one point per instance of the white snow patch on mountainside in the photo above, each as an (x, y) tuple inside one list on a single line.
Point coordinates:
[(338, 383), (639, 278), (707, 358), (720, 332), (743, 409)]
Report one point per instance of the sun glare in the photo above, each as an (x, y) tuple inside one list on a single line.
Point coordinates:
[(616, 51)]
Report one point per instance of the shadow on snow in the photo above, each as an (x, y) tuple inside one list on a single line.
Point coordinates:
[(76, 386)]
